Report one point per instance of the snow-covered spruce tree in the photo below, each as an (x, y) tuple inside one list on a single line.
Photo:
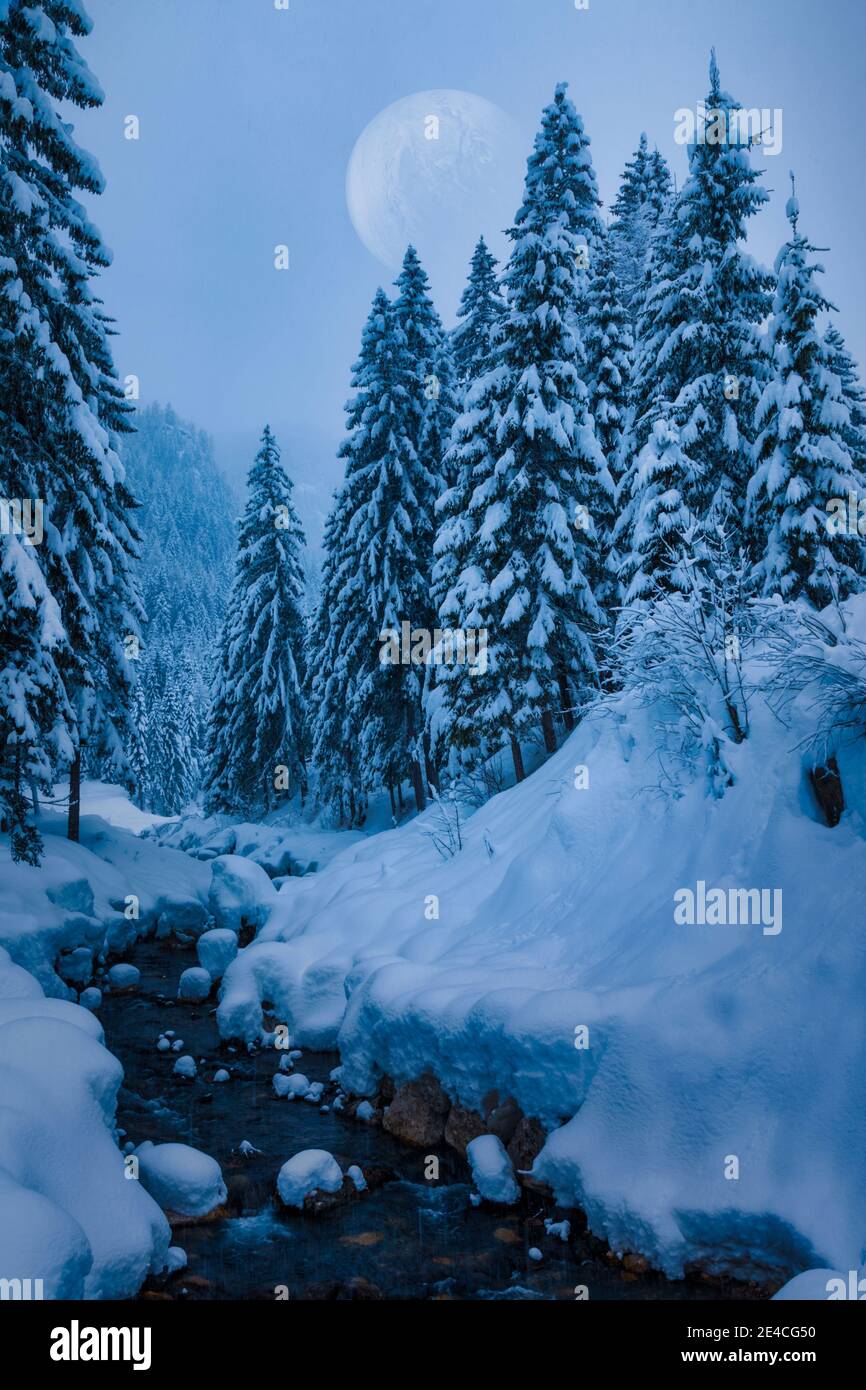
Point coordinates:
[(608, 345), (655, 521), (173, 750), (481, 311), (60, 404), (382, 576), (334, 752), (802, 460), (843, 366), (257, 730), (644, 193), (430, 402), (529, 468), (698, 361), (441, 410)]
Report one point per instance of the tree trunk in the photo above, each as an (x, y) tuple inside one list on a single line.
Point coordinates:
[(518, 760), (73, 827), (565, 699), (393, 800), (432, 778), (400, 800), (549, 732), (418, 786)]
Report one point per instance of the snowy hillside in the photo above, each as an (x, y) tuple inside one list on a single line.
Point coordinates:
[(706, 1043)]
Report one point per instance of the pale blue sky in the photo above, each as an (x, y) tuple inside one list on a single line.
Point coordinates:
[(249, 115)]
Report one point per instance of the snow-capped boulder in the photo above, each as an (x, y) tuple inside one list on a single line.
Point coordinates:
[(90, 998), (184, 917), (185, 1066), (216, 950), (181, 1179), (76, 967), (194, 985), (291, 1084), (122, 978), (241, 894), (357, 1176), (491, 1169), (312, 1170)]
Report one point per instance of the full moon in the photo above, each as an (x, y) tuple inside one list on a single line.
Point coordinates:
[(437, 169)]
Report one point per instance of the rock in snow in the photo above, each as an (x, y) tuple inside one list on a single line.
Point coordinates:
[(357, 1176), (181, 1179), (123, 977), (293, 1084), (216, 950), (90, 998), (241, 894), (492, 1170), (312, 1170), (185, 1066), (194, 985)]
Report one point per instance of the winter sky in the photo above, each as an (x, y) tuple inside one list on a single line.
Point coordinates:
[(249, 114)]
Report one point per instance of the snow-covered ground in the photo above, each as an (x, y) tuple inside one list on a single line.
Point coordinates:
[(68, 1214), (701, 1084)]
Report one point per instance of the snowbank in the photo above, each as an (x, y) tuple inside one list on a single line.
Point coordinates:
[(68, 1214), (281, 845), (99, 894), (701, 1083)]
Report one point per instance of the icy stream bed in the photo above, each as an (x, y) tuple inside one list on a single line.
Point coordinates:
[(405, 1238)]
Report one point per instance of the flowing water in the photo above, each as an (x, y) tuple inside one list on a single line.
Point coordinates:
[(404, 1238)]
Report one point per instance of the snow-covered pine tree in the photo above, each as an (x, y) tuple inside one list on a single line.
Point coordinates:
[(842, 364), (178, 775), (608, 344), (377, 573), (441, 410), (334, 752), (60, 404), (698, 361), (644, 193), (656, 522), (139, 749), (518, 542), (257, 732), (431, 406), (481, 312), (802, 460)]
